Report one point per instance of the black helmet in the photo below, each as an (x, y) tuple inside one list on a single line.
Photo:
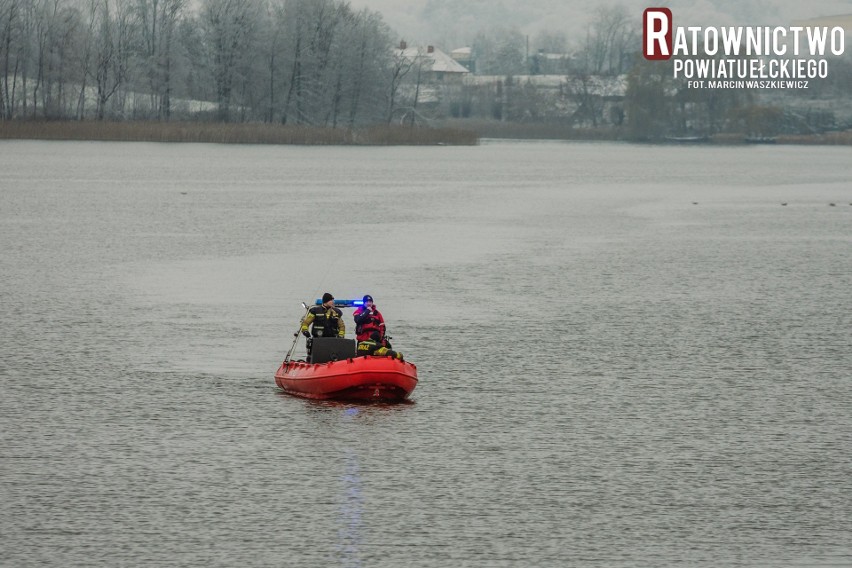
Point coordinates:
[(367, 297), (326, 297)]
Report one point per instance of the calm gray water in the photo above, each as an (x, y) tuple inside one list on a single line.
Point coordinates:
[(628, 356)]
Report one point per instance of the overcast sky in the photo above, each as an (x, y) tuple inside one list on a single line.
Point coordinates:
[(457, 21)]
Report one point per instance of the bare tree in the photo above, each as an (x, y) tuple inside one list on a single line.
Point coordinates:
[(56, 29), (294, 17), (158, 21), (228, 28), (314, 27), (371, 55), (271, 37), (113, 28), (63, 56), (86, 57), (361, 42), (611, 41), (10, 46), (401, 65)]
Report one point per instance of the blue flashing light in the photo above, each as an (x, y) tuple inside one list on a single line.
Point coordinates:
[(343, 303)]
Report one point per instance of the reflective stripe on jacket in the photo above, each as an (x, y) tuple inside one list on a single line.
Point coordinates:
[(324, 322)]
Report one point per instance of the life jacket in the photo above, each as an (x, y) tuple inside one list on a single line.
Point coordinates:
[(326, 323), (366, 323)]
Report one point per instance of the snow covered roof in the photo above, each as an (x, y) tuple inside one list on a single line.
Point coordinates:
[(441, 62), (554, 56), (605, 86)]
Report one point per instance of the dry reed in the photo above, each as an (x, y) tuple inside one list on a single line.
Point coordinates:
[(455, 132), (535, 130), (829, 138), (243, 133)]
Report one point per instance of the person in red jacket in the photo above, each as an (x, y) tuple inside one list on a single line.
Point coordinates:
[(368, 319)]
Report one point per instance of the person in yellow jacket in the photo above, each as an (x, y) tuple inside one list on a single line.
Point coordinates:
[(324, 320), (374, 347)]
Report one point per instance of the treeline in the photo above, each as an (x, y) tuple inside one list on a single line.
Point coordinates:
[(294, 62)]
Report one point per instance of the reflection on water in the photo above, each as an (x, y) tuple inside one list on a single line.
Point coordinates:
[(609, 374), (351, 511)]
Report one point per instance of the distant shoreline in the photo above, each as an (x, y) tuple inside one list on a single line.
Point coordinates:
[(539, 131), (450, 133), (234, 133)]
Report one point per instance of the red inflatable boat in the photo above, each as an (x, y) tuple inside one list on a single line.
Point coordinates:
[(332, 370), (359, 379)]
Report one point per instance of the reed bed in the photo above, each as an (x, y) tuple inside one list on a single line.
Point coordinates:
[(243, 133), (827, 139), (535, 130), (452, 133), (843, 138)]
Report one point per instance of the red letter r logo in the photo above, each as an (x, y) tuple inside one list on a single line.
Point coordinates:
[(657, 33)]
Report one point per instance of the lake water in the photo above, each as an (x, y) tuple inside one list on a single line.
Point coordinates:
[(628, 355)]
